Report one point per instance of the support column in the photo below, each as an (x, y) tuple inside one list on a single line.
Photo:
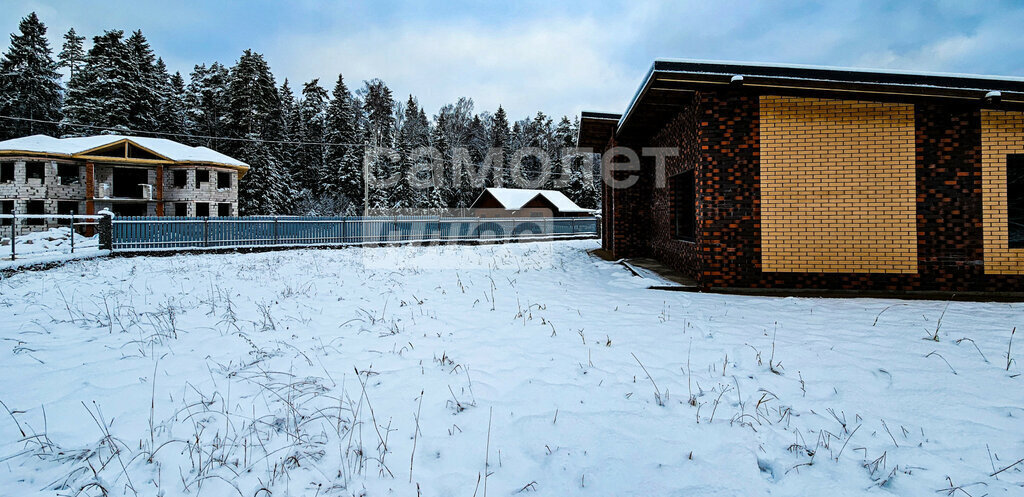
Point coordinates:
[(160, 190), (90, 188)]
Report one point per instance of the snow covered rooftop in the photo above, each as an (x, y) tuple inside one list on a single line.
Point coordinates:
[(514, 198), (82, 146)]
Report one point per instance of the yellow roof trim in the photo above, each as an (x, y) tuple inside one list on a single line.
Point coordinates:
[(125, 142), (99, 158)]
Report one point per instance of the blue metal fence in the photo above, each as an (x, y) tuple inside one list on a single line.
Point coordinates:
[(170, 233)]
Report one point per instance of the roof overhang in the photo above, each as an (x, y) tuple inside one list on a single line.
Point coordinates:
[(596, 128), (669, 85)]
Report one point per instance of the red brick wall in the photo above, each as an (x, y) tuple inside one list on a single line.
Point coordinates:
[(718, 135)]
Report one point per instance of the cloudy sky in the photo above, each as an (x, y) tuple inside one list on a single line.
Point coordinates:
[(559, 57)]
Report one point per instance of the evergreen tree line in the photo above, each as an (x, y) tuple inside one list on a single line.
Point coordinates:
[(306, 147)]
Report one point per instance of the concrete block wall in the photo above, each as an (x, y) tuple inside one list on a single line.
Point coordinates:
[(207, 192)]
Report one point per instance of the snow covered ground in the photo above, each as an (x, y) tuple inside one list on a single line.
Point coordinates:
[(307, 372), (50, 245)]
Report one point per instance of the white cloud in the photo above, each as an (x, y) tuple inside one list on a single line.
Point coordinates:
[(556, 65)]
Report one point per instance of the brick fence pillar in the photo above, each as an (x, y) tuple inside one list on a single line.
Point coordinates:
[(106, 230)]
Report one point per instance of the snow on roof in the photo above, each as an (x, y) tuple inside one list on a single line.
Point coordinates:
[(173, 150), (836, 68), (514, 198)]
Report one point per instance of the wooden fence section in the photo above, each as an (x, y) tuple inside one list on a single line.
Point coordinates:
[(172, 233)]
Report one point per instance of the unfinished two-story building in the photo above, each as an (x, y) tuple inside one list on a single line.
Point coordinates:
[(130, 176), (818, 178)]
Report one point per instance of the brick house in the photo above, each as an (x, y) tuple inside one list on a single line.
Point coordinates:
[(132, 176), (518, 202), (818, 178)]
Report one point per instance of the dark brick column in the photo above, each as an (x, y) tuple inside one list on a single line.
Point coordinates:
[(950, 247), (729, 181), (106, 231)]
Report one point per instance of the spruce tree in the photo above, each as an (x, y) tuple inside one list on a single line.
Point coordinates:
[(72, 54), (451, 137), (378, 106), (499, 133), (208, 104), (254, 118), (312, 155), (173, 116), (105, 91), (413, 134), (149, 83), (290, 132), (345, 154), (29, 82)]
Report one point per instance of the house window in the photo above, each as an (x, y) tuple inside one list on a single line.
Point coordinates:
[(1015, 199), (223, 180), (35, 170), (7, 172), (35, 207), (683, 202), (202, 177), (181, 209), (180, 178), (223, 210), (6, 207), (202, 209), (67, 207), (67, 174)]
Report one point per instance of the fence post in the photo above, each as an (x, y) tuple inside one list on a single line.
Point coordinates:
[(573, 221), (206, 231), (72, 225), (275, 231), (478, 234), (106, 230)]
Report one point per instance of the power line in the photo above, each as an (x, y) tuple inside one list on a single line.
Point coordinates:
[(504, 168), (183, 135)]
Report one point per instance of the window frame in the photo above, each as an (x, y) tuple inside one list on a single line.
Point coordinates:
[(7, 178), (204, 205), (682, 185), (6, 207), (33, 167), (29, 210), (202, 173), (77, 177), (223, 174), (179, 174), (1015, 201)]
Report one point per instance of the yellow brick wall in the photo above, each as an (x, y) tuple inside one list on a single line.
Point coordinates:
[(837, 186), (1002, 133)]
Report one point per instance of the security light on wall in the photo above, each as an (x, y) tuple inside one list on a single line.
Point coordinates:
[(993, 97)]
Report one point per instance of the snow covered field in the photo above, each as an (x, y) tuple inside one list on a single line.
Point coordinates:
[(51, 245), (301, 372)]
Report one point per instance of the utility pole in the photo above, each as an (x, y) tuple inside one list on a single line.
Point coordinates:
[(366, 187)]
